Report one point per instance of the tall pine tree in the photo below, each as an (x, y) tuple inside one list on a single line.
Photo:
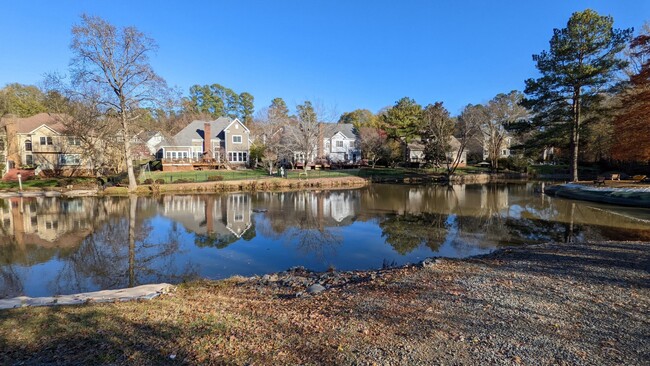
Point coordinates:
[(579, 66)]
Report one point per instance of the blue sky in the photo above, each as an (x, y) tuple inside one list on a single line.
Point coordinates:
[(343, 54)]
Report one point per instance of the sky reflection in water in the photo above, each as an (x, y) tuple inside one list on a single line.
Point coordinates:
[(58, 246)]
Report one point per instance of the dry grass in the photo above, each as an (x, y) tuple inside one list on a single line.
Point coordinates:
[(562, 304)]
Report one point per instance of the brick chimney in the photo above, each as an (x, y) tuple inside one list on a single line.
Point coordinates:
[(207, 140)]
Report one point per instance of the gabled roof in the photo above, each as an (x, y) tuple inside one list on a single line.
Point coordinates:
[(346, 129), (51, 120), (195, 131), (147, 135)]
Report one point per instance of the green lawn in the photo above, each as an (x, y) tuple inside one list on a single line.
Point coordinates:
[(202, 176), (35, 183)]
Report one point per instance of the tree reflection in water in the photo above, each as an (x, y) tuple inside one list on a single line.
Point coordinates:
[(408, 231), (50, 245), (118, 254)]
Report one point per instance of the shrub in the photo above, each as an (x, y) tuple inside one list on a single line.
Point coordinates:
[(148, 181), (63, 182), (159, 181), (215, 178)]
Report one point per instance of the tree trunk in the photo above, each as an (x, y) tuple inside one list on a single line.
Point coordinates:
[(575, 134), (133, 184)]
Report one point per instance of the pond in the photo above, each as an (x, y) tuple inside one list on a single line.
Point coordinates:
[(59, 246)]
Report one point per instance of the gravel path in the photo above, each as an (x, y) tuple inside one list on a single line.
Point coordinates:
[(552, 304)]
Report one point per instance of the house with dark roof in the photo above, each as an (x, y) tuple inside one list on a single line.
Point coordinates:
[(203, 144), (341, 143)]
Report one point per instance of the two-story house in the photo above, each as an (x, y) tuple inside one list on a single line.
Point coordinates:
[(41, 141), (222, 141), (340, 143)]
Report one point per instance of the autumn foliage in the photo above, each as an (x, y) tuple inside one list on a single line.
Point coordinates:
[(632, 126)]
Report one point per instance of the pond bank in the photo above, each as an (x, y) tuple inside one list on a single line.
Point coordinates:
[(569, 303), (623, 196), (271, 184)]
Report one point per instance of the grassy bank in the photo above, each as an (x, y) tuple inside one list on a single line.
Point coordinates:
[(553, 304), (249, 185)]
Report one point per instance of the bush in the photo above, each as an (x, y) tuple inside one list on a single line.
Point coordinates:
[(148, 181), (515, 163), (215, 178), (64, 182), (159, 181)]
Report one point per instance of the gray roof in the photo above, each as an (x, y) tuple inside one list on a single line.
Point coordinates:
[(147, 135), (347, 129), (194, 131)]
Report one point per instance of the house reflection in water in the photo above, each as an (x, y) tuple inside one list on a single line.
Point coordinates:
[(210, 215), (52, 222)]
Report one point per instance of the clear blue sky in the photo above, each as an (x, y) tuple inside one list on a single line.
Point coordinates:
[(345, 54)]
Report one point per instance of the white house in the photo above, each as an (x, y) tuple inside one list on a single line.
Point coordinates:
[(340, 143)]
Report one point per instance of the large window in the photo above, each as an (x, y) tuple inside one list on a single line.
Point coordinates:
[(69, 159), (237, 156), (28, 145), (177, 154), (339, 143), (236, 139)]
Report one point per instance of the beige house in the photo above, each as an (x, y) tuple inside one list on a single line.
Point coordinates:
[(41, 142), (415, 152)]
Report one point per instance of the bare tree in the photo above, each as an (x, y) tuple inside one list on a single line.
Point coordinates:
[(468, 127), (437, 129), (304, 135), (373, 144), (502, 110), (111, 66), (267, 132)]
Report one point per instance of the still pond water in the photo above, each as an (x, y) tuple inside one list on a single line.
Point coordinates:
[(60, 246)]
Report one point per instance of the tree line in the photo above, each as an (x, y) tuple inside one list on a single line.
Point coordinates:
[(590, 101)]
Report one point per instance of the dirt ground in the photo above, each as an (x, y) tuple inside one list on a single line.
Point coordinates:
[(573, 304)]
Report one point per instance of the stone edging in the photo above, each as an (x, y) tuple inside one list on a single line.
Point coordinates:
[(144, 292)]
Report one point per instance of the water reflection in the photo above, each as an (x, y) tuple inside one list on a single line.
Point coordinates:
[(50, 246)]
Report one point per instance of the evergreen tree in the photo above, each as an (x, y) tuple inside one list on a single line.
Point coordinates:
[(578, 67)]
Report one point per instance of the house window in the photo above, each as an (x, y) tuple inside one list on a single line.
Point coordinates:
[(236, 139), (69, 159), (239, 156), (339, 143), (72, 140), (29, 159), (504, 152), (28, 145), (46, 140)]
